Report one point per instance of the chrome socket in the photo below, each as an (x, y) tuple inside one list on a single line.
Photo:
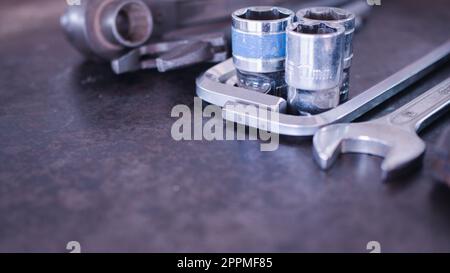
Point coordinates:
[(345, 19), (259, 47), (314, 65)]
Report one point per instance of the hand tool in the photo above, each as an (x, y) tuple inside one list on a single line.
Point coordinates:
[(259, 46), (393, 136), (104, 29), (216, 86), (171, 55), (344, 18), (314, 66), (440, 158)]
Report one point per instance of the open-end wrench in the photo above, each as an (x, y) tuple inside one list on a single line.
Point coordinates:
[(393, 136), (212, 87)]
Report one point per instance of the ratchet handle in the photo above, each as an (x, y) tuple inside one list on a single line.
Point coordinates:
[(420, 112)]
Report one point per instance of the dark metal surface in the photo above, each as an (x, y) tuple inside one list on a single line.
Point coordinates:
[(439, 162), (87, 156)]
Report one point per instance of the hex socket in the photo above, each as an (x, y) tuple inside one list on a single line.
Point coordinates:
[(336, 16), (259, 38), (314, 66), (314, 55), (347, 20)]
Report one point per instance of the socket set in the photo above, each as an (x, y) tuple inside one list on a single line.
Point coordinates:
[(303, 58)]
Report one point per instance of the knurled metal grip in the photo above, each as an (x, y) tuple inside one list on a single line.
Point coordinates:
[(347, 20), (259, 46)]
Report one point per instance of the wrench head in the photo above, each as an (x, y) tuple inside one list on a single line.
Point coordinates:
[(399, 147)]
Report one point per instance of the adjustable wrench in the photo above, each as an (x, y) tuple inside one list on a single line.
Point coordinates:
[(393, 136), (215, 87)]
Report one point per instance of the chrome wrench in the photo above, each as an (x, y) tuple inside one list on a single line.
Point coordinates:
[(393, 137)]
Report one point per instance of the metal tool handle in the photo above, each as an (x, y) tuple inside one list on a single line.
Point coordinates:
[(420, 112), (354, 108)]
